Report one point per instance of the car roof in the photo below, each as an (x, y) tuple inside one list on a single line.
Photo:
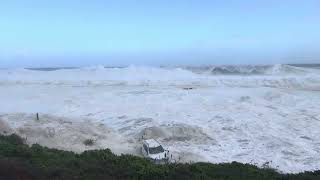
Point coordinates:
[(152, 143)]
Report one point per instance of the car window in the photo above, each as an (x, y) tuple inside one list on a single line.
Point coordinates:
[(156, 150)]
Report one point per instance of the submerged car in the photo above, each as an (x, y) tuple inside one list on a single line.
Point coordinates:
[(152, 149)]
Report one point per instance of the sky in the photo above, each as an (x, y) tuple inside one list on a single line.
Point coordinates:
[(43, 33)]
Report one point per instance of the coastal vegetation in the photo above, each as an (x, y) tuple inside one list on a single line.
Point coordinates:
[(21, 161)]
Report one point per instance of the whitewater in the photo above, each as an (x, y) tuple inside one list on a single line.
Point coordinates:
[(262, 115)]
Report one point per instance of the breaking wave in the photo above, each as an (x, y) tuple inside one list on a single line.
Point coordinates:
[(278, 69), (284, 76), (64, 133), (176, 133)]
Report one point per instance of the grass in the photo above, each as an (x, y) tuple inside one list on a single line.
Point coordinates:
[(20, 161)]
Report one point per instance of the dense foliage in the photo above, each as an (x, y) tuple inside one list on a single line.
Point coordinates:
[(19, 161)]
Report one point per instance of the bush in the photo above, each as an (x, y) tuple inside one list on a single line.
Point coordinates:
[(37, 162), (88, 142), (15, 170), (13, 139)]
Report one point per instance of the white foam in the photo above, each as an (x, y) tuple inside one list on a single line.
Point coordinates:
[(282, 76), (251, 119), (65, 133)]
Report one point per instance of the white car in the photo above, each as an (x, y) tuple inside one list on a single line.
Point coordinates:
[(152, 149)]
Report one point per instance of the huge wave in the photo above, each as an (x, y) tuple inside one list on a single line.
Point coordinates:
[(231, 76), (277, 69)]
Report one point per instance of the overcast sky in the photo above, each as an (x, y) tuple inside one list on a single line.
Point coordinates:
[(38, 33)]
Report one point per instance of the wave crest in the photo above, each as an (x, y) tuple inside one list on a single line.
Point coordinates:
[(278, 69), (225, 76)]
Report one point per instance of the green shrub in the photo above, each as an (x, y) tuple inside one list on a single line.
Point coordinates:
[(13, 139), (88, 142), (103, 164)]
